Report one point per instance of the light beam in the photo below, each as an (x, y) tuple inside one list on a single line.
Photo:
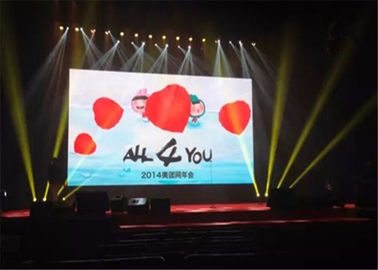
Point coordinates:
[(357, 118)]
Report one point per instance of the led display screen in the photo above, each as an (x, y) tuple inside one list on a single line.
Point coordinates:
[(158, 129)]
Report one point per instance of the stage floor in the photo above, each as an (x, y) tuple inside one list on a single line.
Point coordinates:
[(186, 208), (222, 215), (175, 209)]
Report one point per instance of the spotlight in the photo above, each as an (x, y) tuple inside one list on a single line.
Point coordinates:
[(132, 42), (61, 28), (177, 38), (189, 47), (190, 39), (150, 36), (178, 46), (81, 28), (155, 44), (253, 44), (5, 193), (230, 42), (143, 43), (117, 41), (203, 39), (93, 31), (44, 199), (63, 199), (68, 28), (136, 35), (77, 29), (166, 45), (164, 37), (106, 32), (122, 34), (34, 199), (240, 43)]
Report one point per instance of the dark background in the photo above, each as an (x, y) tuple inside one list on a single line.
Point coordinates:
[(320, 27)]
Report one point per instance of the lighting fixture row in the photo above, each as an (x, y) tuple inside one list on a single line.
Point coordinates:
[(150, 36)]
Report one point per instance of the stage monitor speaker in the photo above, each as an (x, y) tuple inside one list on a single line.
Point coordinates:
[(63, 209), (118, 204), (137, 205), (40, 210), (160, 205), (282, 199), (92, 203)]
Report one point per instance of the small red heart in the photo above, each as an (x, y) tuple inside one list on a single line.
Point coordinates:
[(169, 108), (84, 144), (107, 112), (235, 116)]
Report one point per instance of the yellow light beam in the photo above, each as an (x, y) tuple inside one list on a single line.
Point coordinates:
[(62, 187), (62, 126), (243, 146), (46, 191), (249, 166), (279, 106), (234, 116), (16, 103), (337, 69), (358, 117), (87, 180), (74, 190), (81, 160)]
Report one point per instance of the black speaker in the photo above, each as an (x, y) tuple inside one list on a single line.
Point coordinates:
[(92, 203), (160, 206), (282, 199), (137, 205), (40, 210), (323, 201), (63, 209), (118, 204)]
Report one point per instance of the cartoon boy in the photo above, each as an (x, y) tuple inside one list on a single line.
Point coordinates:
[(138, 103), (197, 108)]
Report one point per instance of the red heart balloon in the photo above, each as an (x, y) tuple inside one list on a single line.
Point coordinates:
[(84, 144), (235, 116), (107, 112), (169, 108)]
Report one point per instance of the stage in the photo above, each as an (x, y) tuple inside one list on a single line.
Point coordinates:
[(197, 215)]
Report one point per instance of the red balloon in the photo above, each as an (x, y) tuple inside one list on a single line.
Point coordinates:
[(169, 108), (235, 116), (107, 112), (84, 144)]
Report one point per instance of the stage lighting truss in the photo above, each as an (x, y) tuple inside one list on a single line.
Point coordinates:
[(150, 36)]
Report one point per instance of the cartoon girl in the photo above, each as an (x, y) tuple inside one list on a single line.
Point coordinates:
[(138, 103), (197, 108)]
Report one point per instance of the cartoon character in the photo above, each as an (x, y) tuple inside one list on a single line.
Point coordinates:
[(197, 108), (138, 103)]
